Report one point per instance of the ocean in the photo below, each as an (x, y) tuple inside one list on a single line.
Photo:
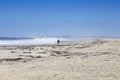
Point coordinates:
[(7, 41), (30, 41)]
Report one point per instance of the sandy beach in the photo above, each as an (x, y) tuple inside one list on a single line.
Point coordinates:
[(94, 59)]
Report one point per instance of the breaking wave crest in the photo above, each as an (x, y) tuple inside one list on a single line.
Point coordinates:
[(36, 41)]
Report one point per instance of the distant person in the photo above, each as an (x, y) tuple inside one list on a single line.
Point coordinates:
[(58, 41)]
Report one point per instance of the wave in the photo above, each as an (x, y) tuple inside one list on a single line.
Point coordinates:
[(36, 41)]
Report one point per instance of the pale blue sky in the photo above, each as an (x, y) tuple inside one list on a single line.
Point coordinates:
[(60, 17)]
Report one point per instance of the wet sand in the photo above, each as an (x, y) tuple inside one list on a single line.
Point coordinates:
[(95, 59)]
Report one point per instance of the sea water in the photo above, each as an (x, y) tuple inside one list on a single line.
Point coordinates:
[(37, 41), (31, 41)]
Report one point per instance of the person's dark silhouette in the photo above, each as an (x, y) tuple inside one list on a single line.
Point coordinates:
[(58, 41)]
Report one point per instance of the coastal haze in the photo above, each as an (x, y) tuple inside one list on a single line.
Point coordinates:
[(60, 40)]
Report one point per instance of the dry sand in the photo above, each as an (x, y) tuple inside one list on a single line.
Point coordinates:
[(97, 59)]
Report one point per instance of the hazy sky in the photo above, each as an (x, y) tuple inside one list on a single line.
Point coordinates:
[(60, 17)]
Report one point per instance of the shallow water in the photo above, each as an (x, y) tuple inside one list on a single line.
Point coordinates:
[(36, 41)]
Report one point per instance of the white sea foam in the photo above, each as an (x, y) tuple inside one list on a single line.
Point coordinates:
[(36, 41)]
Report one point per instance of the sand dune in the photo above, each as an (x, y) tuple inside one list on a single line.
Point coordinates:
[(95, 59)]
